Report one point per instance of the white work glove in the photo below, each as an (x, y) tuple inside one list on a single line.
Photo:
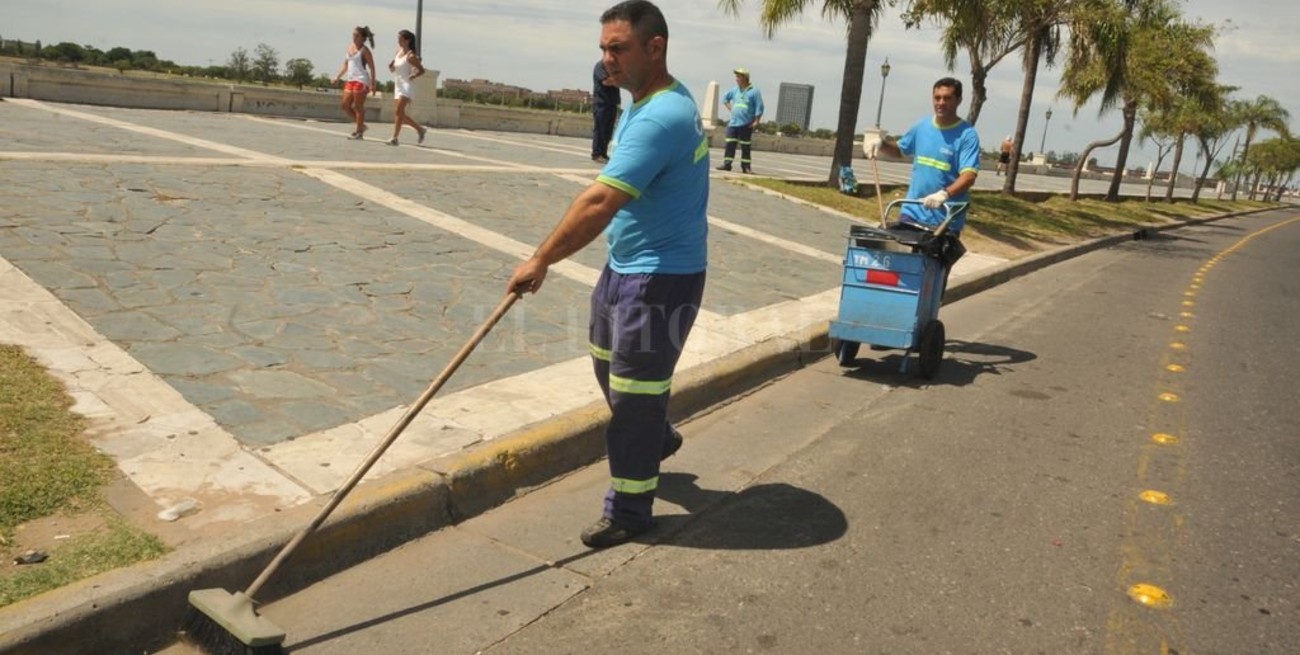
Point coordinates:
[(935, 200), (871, 144)]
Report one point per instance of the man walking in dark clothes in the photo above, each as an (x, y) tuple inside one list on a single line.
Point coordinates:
[(605, 99), (651, 202)]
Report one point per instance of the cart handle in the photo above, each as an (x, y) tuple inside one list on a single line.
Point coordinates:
[(953, 208)]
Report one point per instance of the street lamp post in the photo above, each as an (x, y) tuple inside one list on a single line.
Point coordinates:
[(419, 32), (1042, 147), (884, 73)]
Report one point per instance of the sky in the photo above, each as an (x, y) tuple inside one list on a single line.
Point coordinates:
[(553, 44)]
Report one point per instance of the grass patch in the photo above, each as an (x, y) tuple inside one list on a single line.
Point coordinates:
[(1004, 224), (48, 470), (45, 466), (85, 556)]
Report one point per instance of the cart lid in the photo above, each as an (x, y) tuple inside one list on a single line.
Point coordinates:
[(904, 235)]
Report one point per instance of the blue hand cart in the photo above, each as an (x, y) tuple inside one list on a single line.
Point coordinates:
[(894, 279)]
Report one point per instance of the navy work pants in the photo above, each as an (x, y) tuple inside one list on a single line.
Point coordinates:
[(603, 130), (639, 324), (744, 135)]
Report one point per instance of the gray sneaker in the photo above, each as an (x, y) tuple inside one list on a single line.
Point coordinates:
[(391, 142)]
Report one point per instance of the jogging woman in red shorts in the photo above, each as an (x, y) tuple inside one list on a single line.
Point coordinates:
[(359, 66)]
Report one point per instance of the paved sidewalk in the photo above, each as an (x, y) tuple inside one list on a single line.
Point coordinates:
[(243, 305)]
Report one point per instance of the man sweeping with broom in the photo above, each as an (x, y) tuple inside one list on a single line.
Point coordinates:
[(650, 200)]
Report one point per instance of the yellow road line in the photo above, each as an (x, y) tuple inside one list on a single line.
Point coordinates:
[(1153, 525)]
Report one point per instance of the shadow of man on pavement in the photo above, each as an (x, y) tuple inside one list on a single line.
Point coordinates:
[(768, 516)]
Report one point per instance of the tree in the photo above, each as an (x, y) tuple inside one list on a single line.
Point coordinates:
[(1158, 128), (1262, 112), (65, 52), (1041, 21), (1123, 54), (266, 61), (117, 54), (862, 17), (1185, 118), (1170, 126), (144, 60), (239, 64), (988, 31), (1213, 125), (1272, 163), (298, 72)]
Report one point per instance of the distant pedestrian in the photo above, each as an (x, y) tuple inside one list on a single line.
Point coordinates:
[(746, 106), (651, 203), (605, 100), (359, 66), (405, 67), (1004, 157)]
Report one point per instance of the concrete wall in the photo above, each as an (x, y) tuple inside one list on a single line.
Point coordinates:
[(99, 87)]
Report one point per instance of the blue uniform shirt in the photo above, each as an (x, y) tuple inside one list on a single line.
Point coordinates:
[(661, 159), (939, 156), (746, 105)]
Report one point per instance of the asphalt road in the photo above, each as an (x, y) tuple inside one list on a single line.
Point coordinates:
[(1107, 463)]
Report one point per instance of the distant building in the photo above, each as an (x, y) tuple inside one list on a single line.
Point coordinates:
[(486, 88), (570, 96), (794, 105)]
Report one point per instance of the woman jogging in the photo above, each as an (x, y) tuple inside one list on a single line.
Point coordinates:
[(359, 66), (405, 66)]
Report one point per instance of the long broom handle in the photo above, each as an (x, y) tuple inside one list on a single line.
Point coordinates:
[(393, 434), (879, 197)]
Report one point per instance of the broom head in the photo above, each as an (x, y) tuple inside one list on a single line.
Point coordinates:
[(222, 623)]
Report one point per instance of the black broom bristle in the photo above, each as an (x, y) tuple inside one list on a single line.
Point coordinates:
[(208, 636)]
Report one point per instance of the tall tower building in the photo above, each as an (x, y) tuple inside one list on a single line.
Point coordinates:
[(794, 105)]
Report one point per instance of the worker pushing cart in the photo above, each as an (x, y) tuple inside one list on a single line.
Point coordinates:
[(904, 270)]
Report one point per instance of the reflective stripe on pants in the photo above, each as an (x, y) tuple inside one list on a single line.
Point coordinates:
[(639, 324), (742, 135)]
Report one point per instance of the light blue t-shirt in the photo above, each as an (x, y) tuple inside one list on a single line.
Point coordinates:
[(745, 105), (661, 159), (939, 156)]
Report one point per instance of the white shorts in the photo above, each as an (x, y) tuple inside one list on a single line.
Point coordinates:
[(402, 89)]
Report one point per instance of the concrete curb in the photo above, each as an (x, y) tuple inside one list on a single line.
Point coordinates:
[(139, 608)]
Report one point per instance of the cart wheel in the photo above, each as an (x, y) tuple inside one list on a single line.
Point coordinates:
[(846, 352), (931, 348)]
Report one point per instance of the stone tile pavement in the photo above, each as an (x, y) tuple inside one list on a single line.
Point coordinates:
[(243, 306)]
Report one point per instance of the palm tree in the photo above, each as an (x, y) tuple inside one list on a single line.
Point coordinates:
[(1213, 124), (1123, 54), (1041, 20), (1273, 163), (1182, 118), (1263, 112), (1158, 128), (985, 30), (862, 17)]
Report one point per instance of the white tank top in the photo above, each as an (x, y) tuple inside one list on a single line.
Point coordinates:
[(357, 71), (402, 69)]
